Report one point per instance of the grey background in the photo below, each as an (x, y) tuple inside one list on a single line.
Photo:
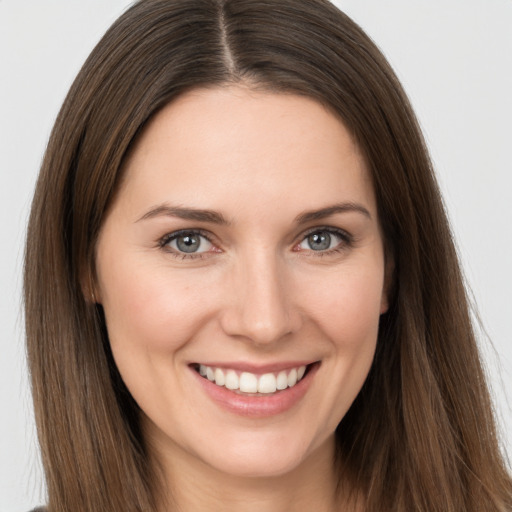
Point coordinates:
[(454, 59)]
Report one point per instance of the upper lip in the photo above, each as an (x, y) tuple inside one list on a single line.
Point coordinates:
[(256, 368)]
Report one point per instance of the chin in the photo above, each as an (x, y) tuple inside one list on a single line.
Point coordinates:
[(261, 458), (261, 467)]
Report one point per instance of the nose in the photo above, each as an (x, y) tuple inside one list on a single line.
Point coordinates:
[(260, 308)]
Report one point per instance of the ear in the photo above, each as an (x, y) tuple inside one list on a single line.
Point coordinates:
[(389, 278)]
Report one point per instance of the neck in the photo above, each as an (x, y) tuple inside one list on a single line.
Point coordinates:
[(194, 486)]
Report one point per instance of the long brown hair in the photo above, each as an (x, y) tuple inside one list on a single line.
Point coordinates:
[(420, 436)]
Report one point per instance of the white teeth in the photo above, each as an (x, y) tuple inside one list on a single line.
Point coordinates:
[(248, 382), (267, 383), (292, 378), (282, 380), (220, 380), (232, 381)]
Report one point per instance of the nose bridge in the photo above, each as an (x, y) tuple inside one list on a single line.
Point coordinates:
[(261, 309)]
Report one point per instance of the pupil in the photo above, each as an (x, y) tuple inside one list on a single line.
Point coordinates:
[(188, 243), (319, 241)]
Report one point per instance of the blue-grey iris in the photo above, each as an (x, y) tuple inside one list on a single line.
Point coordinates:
[(188, 243), (319, 241)]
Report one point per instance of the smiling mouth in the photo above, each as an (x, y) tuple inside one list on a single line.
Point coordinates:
[(252, 384)]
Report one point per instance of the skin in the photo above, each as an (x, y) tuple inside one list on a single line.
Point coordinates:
[(256, 293)]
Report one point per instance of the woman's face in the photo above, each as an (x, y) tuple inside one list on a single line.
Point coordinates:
[(241, 271)]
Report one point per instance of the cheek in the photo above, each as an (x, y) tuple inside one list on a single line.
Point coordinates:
[(348, 307), (151, 314), (344, 307), (150, 308)]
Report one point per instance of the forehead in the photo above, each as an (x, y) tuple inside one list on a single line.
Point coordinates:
[(257, 145)]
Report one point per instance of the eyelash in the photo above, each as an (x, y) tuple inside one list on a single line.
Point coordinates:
[(168, 238), (347, 241)]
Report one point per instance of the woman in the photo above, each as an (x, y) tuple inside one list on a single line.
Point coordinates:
[(241, 289)]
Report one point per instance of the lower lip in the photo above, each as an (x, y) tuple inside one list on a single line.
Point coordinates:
[(260, 406)]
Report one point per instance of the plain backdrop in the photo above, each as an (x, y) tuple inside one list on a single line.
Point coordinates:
[(454, 58)]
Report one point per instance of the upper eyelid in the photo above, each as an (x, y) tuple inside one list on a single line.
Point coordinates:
[(328, 229), (175, 234)]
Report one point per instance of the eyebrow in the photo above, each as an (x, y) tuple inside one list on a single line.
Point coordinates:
[(313, 215), (181, 212), (213, 217)]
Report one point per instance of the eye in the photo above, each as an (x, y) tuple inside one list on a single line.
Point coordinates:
[(186, 243), (325, 240)]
